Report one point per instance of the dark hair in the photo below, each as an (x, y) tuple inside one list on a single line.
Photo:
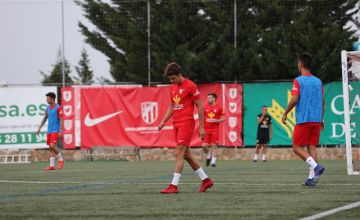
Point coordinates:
[(306, 58), (213, 95), (172, 69), (264, 106), (51, 95)]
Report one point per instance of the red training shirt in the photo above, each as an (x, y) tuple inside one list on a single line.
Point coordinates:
[(212, 112), (183, 97)]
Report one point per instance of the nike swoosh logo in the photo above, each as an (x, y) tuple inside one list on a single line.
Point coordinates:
[(89, 122)]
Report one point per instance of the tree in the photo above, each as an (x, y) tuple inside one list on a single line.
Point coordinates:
[(199, 36), (283, 29), (56, 74), (85, 74), (179, 33)]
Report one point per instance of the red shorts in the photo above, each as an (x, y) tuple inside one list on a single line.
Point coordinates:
[(183, 133), (52, 138), (211, 137), (307, 134)]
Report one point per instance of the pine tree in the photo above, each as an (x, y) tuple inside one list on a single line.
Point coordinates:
[(83, 70), (56, 75)]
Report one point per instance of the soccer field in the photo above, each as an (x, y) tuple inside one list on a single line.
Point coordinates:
[(124, 190)]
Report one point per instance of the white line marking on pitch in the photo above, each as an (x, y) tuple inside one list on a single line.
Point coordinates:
[(124, 182), (43, 171), (332, 211), (85, 170), (49, 182)]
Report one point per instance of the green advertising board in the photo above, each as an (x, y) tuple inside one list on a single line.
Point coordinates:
[(276, 97)]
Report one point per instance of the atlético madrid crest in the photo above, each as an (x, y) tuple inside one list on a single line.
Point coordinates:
[(149, 112), (67, 96), (68, 138), (232, 122), (233, 93)]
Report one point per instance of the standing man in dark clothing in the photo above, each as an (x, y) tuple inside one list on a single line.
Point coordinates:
[(264, 133)]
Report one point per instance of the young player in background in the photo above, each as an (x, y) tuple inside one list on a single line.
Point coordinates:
[(184, 95), (264, 134), (54, 115), (308, 96), (213, 114)]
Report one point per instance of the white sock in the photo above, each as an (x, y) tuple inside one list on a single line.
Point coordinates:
[(176, 179), (213, 160), (263, 157), (311, 162), (311, 173), (201, 173), (59, 157), (52, 161), (208, 156), (255, 156)]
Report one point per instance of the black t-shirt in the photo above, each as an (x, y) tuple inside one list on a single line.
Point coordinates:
[(264, 126)]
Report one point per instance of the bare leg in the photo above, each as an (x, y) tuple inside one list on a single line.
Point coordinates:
[(301, 152), (53, 149), (206, 182), (213, 150), (312, 151), (257, 149), (205, 148), (180, 154), (191, 160), (208, 155), (264, 149)]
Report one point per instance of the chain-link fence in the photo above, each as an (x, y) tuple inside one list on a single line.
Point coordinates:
[(214, 40)]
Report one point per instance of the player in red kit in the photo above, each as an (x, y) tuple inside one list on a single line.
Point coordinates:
[(184, 95), (213, 114)]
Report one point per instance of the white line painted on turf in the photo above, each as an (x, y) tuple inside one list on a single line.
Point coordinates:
[(50, 182), (116, 182), (332, 211), (70, 171), (260, 184)]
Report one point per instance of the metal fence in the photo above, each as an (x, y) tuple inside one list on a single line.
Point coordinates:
[(150, 15)]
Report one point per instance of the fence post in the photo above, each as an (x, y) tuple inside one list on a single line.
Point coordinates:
[(149, 42)]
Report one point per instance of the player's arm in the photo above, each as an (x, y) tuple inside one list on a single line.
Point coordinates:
[(291, 105), (42, 123), (167, 116), (270, 128), (222, 119), (295, 92), (260, 119), (200, 106), (61, 119), (222, 116), (61, 127)]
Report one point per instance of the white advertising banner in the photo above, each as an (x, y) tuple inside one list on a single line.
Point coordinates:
[(21, 112)]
